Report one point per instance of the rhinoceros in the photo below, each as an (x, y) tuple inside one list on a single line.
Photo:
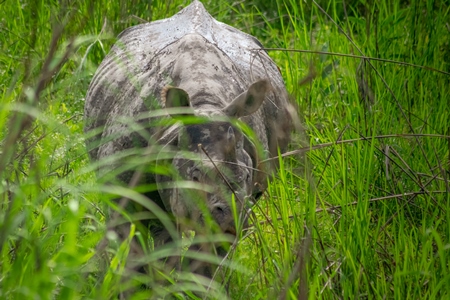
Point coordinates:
[(202, 80)]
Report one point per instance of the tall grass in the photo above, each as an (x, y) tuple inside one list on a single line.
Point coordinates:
[(365, 217)]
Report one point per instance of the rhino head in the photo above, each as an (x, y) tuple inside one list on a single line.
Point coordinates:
[(212, 159)]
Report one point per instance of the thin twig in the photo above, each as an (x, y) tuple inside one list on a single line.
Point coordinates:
[(407, 202), (357, 56), (320, 146), (336, 207), (329, 155), (200, 146)]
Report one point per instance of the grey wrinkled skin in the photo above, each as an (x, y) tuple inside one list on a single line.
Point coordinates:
[(204, 68)]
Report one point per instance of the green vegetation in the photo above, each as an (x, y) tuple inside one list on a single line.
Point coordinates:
[(367, 218)]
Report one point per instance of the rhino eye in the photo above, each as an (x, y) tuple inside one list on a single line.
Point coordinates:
[(195, 175)]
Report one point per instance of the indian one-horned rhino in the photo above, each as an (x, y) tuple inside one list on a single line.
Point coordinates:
[(159, 74)]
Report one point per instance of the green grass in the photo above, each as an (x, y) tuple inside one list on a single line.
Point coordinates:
[(366, 218)]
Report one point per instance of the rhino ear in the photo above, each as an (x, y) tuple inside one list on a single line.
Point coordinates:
[(248, 102), (231, 138), (176, 98)]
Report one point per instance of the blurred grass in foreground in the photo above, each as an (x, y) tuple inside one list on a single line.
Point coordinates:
[(373, 223)]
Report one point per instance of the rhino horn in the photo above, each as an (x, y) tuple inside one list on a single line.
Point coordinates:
[(231, 144), (249, 101)]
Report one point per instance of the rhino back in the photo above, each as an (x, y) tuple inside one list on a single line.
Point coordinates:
[(182, 50)]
